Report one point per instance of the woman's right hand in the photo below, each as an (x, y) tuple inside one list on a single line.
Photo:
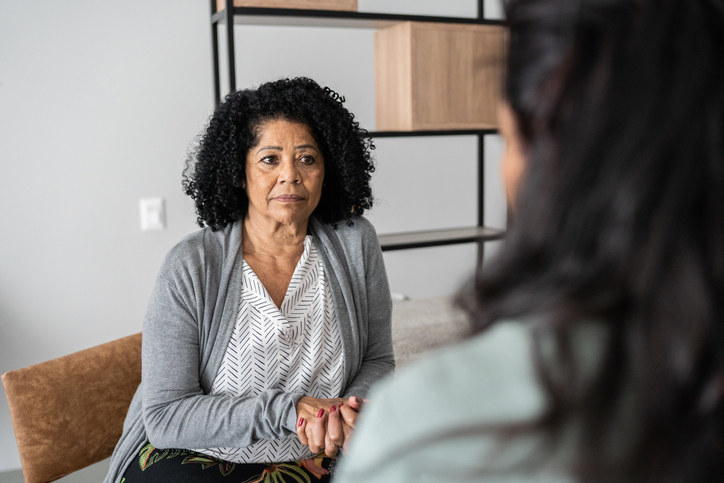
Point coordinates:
[(326, 424)]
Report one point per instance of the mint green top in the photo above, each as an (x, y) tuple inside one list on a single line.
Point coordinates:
[(427, 422)]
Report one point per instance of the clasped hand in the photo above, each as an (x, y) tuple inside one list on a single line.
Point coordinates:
[(327, 424)]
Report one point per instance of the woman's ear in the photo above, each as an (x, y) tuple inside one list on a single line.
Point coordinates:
[(513, 162)]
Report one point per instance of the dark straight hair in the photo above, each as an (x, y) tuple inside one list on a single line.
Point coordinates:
[(620, 221)]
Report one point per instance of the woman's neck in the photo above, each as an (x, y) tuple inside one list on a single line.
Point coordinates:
[(261, 238)]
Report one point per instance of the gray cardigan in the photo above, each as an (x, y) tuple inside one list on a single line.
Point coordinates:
[(189, 322)]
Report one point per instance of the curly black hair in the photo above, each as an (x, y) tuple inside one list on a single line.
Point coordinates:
[(216, 170)]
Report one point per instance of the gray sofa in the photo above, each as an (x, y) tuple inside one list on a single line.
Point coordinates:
[(424, 324)]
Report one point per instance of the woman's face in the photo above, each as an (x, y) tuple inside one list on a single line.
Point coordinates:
[(284, 173), (513, 163)]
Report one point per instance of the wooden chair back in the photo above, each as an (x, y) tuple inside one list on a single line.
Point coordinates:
[(68, 412)]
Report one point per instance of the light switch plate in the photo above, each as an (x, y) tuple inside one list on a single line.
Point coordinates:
[(153, 214)]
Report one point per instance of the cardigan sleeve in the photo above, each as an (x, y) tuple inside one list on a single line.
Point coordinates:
[(176, 411), (377, 354)]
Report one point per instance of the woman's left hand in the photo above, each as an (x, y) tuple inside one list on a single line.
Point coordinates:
[(331, 428), (351, 409)]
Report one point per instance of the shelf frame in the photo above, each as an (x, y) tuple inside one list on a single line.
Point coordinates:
[(389, 241), (479, 234), (429, 133), (312, 18), (337, 18), (433, 238)]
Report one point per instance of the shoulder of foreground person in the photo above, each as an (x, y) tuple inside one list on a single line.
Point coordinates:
[(422, 421)]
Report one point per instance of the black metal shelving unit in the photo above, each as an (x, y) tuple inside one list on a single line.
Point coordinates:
[(330, 18)]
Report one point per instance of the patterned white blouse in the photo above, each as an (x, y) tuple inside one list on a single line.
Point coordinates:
[(295, 348)]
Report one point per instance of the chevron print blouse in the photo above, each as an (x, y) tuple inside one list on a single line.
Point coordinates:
[(297, 348)]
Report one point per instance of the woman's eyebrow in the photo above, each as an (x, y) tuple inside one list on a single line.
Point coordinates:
[(278, 148)]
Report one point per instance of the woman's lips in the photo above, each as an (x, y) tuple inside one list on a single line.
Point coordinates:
[(288, 198)]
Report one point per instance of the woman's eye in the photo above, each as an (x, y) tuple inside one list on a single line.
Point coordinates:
[(269, 160), (307, 159)]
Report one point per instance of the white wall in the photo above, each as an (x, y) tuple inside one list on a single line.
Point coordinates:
[(99, 102)]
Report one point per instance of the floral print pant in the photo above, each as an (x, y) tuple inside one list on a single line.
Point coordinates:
[(180, 465)]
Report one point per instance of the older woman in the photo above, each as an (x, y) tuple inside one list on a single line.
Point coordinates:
[(266, 328)]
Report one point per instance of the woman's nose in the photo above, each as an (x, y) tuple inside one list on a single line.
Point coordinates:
[(289, 172)]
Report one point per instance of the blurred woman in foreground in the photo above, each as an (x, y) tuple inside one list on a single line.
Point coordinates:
[(603, 352)]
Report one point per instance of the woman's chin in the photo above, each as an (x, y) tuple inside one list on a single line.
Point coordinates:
[(291, 217)]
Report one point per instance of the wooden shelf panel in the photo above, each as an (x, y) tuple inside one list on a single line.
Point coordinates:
[(334, 18), (431, 76), (430, 238)]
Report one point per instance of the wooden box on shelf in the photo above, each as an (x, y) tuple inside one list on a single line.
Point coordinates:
[(432, 76), (350, 5)]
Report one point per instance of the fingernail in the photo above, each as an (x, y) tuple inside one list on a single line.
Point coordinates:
[(301, 421), (320, 413), (332, 409)]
